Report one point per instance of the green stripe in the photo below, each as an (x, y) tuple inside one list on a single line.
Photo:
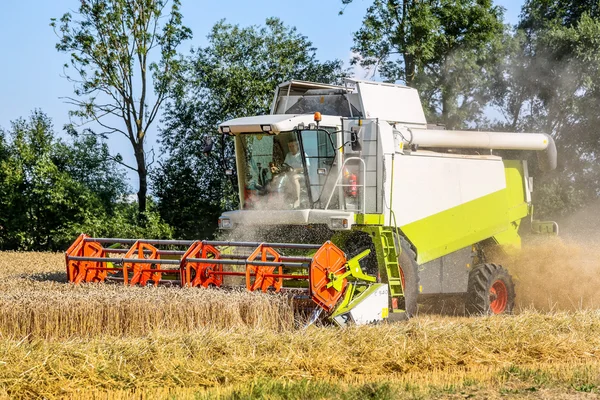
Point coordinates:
[(368, 219), (458, 227), (496, 215)]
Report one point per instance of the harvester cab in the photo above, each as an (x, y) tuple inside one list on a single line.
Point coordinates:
[(349, 200)]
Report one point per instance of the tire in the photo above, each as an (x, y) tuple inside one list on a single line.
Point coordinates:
[(407, 262), (490, 290), (356, 244)]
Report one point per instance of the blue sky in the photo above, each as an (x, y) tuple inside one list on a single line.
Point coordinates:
[(31, 68)]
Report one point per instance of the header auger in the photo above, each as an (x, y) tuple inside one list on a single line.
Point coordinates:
[(326, 272)]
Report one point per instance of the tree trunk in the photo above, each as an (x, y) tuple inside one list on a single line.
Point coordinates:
[(409, 60), (140, 157), (447, 97), (446, 109), (409, 70)]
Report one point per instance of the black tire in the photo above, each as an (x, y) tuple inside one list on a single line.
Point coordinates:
[(490, 290), (407, 262), (356, 244)]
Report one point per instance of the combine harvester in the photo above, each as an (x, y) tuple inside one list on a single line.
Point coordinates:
[(399, 211)]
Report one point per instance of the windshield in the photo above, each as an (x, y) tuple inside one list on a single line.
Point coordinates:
[(288, 170)]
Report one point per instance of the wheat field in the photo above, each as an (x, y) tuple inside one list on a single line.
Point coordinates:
[(59, 340), (39, 303)]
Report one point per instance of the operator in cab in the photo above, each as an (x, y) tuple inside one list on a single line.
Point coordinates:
[(293, 169), (294, 159)]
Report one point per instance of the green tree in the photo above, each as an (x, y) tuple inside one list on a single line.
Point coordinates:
[(40, 196), (4, 189), (53, 190), (556, 72), (235, 75), (444, 48), (538, 15), (87, 160), (111, 44)]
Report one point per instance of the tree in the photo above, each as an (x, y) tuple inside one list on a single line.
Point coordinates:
[(444, 48), (560, 74), (41, 199), (52, 190), (234, 75), (4, 190), (548, 82), (111, 43)]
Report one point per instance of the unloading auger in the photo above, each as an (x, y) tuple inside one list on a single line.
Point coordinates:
[(325, 275)]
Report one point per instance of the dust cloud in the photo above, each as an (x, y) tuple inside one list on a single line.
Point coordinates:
[(559, 273), (556, 274)]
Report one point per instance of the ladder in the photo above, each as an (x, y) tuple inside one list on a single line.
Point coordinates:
[(388, 251)]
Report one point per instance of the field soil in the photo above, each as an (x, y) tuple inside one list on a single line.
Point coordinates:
[(59, 340)]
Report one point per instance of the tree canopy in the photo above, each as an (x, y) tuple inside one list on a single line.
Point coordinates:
[(111, 44), (443, 48), (53, 190), (557, 75)]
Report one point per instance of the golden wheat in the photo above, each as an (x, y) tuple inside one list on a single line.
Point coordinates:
[(427, 349), (110, 341), (36, 301)]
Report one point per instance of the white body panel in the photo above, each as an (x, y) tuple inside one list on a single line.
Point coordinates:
[(393, 176), (393, 103), (371, 309), (426, 183)]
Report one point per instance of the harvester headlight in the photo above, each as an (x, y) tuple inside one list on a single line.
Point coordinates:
[(225, 129), (339, 223), (266, 128), (225, 223)]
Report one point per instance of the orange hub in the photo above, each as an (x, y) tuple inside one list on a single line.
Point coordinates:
[(259, 276), (498, 297), (142, 272), (202, 272), (328, 262)]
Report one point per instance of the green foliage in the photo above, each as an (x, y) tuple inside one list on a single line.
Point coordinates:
[(39, 196), (549, 83), (51, 191), (557, 198), (444, 48), (538, 15), (121, 223), (87, 160), (235, 75), (110, 43)]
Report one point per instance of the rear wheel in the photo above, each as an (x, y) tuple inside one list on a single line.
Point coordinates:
[(490, 290)]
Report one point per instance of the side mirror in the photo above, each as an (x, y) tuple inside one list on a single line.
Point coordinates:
[(355, 139)]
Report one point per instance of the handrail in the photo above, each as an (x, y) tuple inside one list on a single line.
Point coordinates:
[(395, 226), (363, 184)]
